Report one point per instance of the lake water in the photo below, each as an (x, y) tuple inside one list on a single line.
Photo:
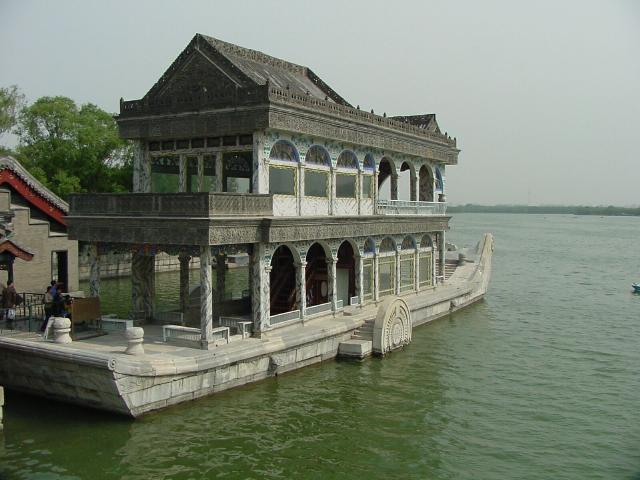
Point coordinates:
[(539, 381)]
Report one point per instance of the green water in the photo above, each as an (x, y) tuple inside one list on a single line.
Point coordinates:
[(539, 381)]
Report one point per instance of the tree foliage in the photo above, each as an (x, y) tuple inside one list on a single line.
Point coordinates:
[(73, 149), (11, 101)]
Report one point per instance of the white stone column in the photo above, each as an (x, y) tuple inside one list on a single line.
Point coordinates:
[(260, 179), (376, 279), (416, 270), (200, 172), (415, 194), (359, 191), (360, 278), (141, 167), (221, 281), (332, 193), (333, 283), (182, 173), (300, 196), (260, 289), (441, 253), (94, 270), (301, 286), (206, 297), (398, 270), (218, 170)]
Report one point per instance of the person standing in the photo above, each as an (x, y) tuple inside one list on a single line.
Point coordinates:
[(48, 307), (9, 302)]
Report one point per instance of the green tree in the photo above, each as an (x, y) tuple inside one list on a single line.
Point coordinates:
[(73, 149), (11, 101)]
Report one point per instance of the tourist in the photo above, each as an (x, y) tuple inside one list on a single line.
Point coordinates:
[(48, 307), (9, 301)]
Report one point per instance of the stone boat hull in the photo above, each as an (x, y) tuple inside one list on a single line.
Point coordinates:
[(105, 378)]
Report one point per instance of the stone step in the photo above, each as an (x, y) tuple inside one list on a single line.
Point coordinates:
[(355, 348)]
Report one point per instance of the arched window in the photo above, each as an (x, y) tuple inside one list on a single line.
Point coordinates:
[(426, 262), (318, 155), (316, 181), (407, 264), (426, 241), (386, 171), (367, 270), (346, 273), (346, 182), (317, 281), (283, 282), (407, 182), (387, 267), (283, 178), (367, 177), (284, 151), (426, 184), (347, 159)]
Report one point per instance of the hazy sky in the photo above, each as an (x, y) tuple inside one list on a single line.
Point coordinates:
[(544, 97)]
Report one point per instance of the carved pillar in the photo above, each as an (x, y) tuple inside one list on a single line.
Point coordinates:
[(218, 169), (182, 174), (441, 253), (94, 270), (221, 281), (206, 297), (359, 191), (333, 283), (142, 286), (415, 187), (184, 281), (398, 271), (394, 186), (260, 179), (200, 172), (416, 270), (260, 289), (141, 167), (360, 278), (376, 279), (332, 193), (300, 196), (301, 286), (375, 192)]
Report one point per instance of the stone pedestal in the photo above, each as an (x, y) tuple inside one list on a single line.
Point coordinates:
[(61, 330), (135, 337)]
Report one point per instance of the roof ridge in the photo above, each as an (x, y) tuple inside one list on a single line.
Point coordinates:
[(227, 48), (12, 164)]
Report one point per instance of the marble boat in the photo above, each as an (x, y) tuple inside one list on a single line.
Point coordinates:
[(342, 213)]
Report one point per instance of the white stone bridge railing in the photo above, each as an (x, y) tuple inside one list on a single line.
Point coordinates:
[(407, 207), (171, 204)]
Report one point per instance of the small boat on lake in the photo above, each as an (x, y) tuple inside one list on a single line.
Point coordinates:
[(636, 287)]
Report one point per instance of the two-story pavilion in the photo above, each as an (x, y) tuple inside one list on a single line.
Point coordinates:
[(240, 151)]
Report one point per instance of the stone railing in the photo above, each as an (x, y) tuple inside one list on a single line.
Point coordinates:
[(171, 204), (286, 96), (406, 207)]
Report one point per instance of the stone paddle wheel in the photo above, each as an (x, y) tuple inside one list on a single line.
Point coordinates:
[(392, 327)]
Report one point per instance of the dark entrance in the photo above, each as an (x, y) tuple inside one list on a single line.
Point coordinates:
[(282, 281), (317, 276), (346, 273), (60, 269)]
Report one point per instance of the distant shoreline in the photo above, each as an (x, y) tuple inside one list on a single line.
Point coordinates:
[(571, 210)]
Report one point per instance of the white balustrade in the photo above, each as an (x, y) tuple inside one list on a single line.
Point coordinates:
[(408, 207)]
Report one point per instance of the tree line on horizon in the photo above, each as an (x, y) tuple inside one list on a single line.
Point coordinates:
[(68, 147), (609, 210)]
